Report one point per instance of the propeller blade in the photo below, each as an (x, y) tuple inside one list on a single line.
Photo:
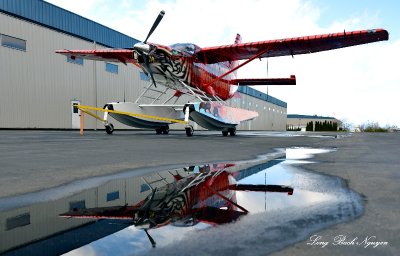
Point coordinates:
[(153, 243), (156, 22), (146, 62)]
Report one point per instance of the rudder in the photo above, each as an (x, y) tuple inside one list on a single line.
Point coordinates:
[(235, 63)]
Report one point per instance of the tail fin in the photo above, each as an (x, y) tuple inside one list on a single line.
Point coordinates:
[(235, 63), (238, 39)]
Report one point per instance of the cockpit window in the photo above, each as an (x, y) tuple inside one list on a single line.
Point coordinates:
[(189, 49)]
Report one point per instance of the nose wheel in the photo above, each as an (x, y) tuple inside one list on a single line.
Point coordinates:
[(109, 128)]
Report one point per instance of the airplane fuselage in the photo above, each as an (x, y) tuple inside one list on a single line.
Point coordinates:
[(173, 65)]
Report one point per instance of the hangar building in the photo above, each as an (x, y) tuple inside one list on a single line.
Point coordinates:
[(300, 121), (38, 85)]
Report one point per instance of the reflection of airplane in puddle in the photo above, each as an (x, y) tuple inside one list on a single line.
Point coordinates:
[(207, 194), (207, 74)]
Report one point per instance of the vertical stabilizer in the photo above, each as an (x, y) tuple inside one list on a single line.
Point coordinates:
[(235, 63), (238, 39)]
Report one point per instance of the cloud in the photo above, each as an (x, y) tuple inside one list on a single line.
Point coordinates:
[(357, 83)]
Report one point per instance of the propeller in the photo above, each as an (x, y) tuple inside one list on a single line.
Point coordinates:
[(146, 207), (155, 25), (143, 49)]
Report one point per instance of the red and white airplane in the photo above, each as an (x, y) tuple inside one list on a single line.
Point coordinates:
[(208, 74)]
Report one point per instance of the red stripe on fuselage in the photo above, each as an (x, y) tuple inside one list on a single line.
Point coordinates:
[(203, 75)]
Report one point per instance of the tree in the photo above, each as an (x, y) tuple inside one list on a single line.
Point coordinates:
[(309, 126), (372, 127)]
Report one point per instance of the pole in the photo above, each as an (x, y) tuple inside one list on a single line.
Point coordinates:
[(82, 122)]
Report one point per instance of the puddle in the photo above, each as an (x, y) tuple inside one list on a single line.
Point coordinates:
[(243, 208)]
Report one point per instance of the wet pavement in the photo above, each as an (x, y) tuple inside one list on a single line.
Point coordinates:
[(48, 173), (37, 160), (238, 208), (370, 165)]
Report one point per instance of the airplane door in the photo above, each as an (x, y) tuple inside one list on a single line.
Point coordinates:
[(76, 113)]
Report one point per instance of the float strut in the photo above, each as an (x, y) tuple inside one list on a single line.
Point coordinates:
[(187, 112)]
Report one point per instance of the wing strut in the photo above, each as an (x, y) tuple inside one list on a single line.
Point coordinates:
[(239, 66)]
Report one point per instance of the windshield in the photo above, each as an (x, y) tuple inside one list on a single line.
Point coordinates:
[(184, 48)]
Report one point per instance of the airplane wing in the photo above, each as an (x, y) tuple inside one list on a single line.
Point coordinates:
[(290, 46), (112, 212), (111, 55), (265, 81)]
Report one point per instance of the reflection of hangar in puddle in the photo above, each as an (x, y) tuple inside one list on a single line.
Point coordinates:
[(51, 81)]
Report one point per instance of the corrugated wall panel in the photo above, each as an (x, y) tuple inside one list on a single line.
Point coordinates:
[(253, 92), (42, 83), (117, 87), (271, 116), (38, 83)]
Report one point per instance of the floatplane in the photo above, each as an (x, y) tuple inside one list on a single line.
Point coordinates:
[(207, 74)]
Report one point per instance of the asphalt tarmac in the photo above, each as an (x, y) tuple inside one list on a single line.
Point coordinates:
[(370, 163)]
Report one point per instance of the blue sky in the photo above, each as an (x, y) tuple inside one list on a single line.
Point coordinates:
[(356, 84), (380, 13)]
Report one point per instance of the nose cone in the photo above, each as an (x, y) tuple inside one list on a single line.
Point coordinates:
[(142, 47)]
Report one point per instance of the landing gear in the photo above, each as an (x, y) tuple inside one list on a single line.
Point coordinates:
[(162, 130), (231, 131), (109, 128), (165, 130), (189, 131)]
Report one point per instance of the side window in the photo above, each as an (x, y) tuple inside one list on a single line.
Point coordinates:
[(18, 221), (112, 68), (112, 196), (144, 77), (77, 205), (13, 42), (75, 60)]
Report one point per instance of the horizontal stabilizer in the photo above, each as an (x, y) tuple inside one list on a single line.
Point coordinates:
[(265, 81)]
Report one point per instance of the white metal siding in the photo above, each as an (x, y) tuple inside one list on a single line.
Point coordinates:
[(38, 85), (270, 116)]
